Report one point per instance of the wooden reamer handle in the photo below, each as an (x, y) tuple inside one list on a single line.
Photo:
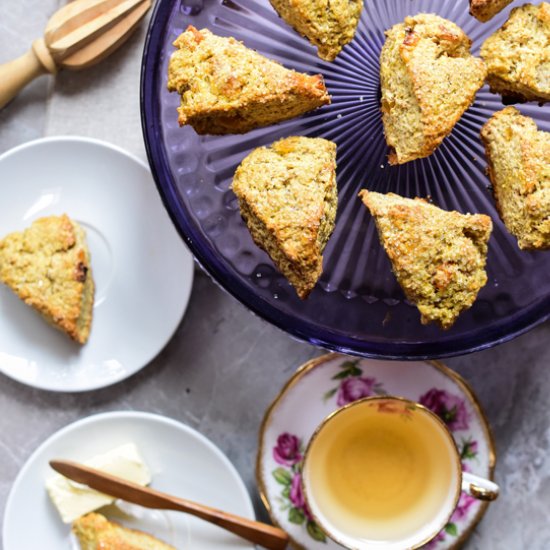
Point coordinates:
[(16, 74)]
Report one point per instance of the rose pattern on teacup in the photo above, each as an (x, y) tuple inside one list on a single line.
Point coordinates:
[(402, 409), (353, 385), (289, 453), (460, 513), (452, 410)]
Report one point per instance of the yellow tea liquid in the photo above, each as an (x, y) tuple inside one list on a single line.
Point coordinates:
[(381, 472)]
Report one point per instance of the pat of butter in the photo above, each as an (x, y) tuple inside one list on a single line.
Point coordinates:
[(73, 500)]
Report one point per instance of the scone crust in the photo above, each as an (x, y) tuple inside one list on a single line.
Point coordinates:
[(288, 199), (227, 88), (518, 155), (484, 10), (428, 80), (327, 25), (518, 55), (95, 532), (437, 256), (48, 267)]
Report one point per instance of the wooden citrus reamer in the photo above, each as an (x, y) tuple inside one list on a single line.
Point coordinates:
[(77, 36)]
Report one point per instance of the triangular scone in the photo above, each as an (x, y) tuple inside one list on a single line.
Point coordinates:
[(518, 55), (287, 196), (438, 257), (48, 267), (428, 79), (227, 88), (95, 532), (327, 25), (519, 168), (483, 10)]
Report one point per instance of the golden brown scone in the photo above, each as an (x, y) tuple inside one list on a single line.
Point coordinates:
[(328, 25), (438, 257), (95, 532), (48, 267), (428, 79), (519, 167), (227, 88), (518, 55), (288, 198), (483, 10)]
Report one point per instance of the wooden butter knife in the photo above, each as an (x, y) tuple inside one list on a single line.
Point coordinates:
[(254, 531)]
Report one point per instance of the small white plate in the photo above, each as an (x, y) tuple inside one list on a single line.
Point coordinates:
[(182, 461), (142, 270)]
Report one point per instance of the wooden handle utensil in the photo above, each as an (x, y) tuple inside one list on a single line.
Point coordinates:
[(77, 36), (253, 531)]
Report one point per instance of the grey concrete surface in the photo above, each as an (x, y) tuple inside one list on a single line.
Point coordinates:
[(224, 365)]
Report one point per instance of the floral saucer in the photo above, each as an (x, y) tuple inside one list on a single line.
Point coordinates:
[(331, 381)]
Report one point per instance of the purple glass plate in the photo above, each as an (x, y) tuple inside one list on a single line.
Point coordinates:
[(357, 306)]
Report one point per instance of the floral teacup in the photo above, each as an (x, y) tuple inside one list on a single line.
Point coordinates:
[(385, 473)]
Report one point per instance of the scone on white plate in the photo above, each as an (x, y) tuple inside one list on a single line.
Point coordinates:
[(95, 532), (48, 266)]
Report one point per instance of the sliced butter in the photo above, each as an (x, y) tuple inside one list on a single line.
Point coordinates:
[(73, 500)]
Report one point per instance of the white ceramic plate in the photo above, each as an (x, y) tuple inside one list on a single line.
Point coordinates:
[(142, 270), (182, 461)]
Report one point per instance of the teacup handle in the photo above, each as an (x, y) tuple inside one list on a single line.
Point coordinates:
[(478, 487)]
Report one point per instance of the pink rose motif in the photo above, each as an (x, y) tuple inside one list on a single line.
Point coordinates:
[(287, 451), (297, 496), (461, 510), (450, 408), (354, 388)]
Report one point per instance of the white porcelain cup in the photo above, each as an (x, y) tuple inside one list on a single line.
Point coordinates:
[(384, 473)]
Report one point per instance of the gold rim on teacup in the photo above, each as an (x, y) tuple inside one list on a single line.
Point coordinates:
[(473, 485)]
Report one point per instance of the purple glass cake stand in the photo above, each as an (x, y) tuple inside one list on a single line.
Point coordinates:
[(357, 307)]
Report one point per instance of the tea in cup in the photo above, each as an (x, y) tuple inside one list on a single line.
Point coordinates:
[(385, 473)]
